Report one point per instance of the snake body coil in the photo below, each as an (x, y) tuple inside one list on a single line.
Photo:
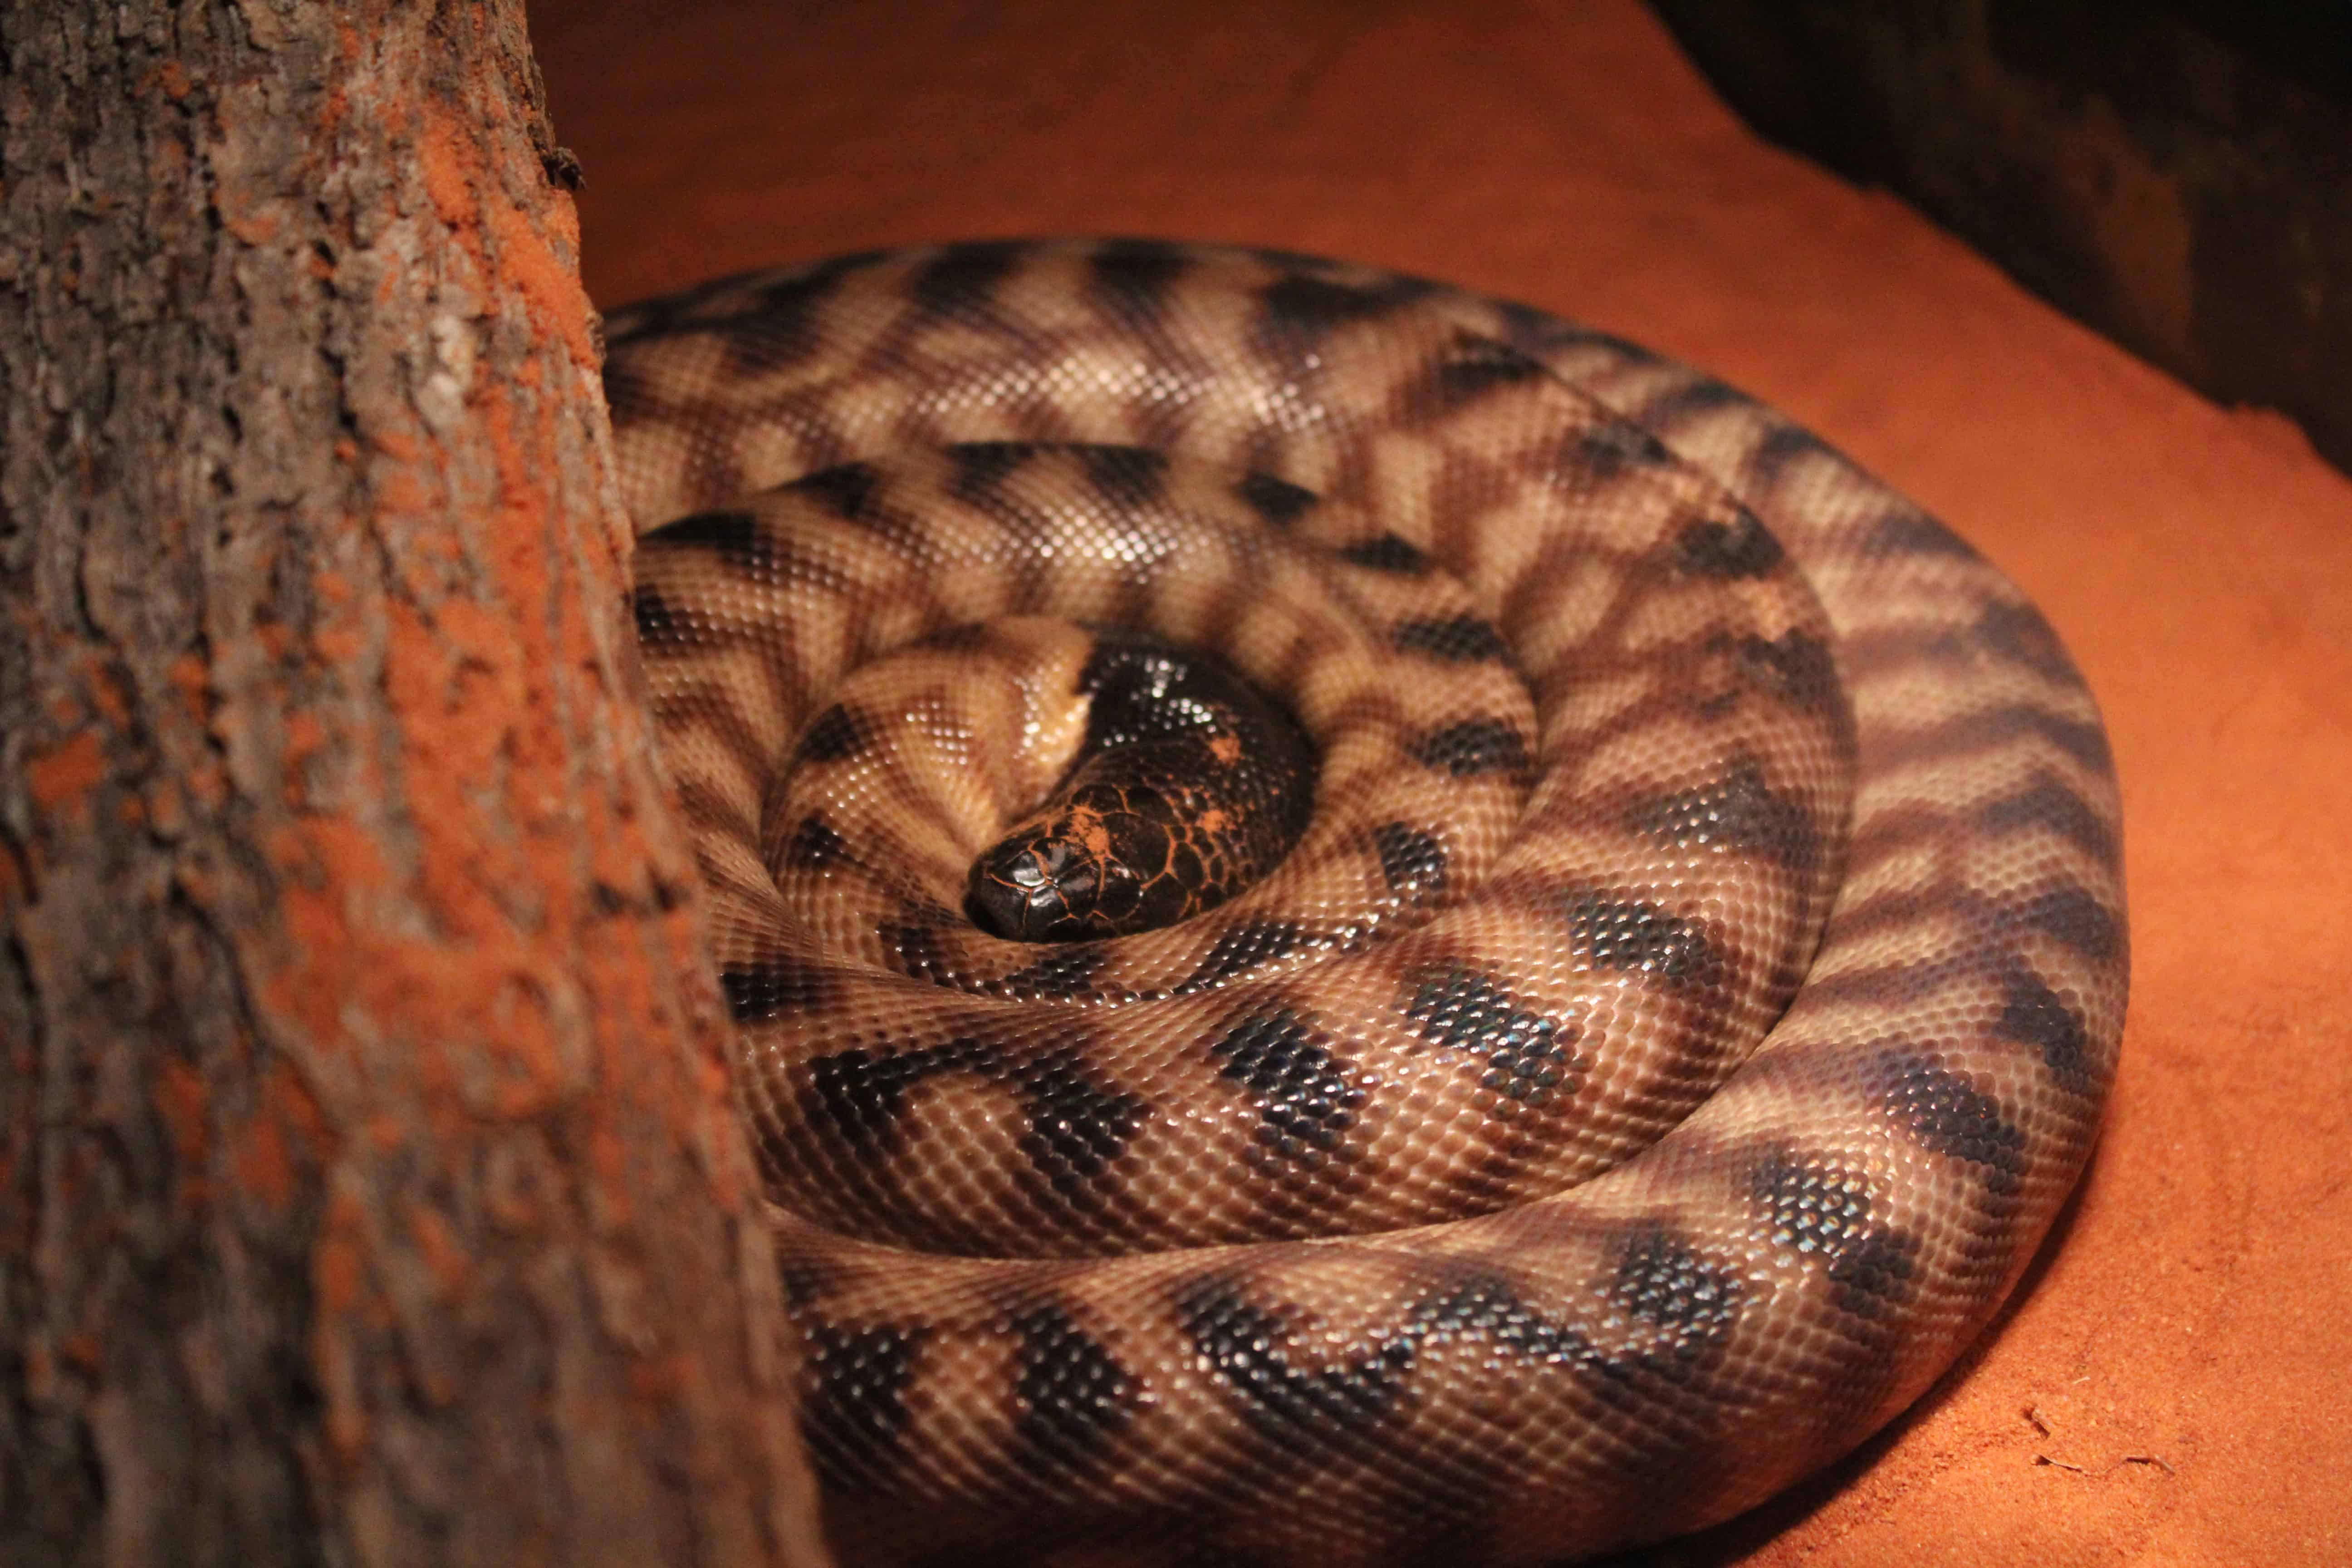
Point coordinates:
[(1653, 1046)]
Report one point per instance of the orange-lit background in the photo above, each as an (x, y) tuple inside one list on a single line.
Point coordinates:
[(2181, 1358)]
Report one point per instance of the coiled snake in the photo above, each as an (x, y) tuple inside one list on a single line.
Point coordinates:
[(1637, 1055)]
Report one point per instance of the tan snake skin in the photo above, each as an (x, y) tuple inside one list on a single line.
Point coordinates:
[(1693, 993)]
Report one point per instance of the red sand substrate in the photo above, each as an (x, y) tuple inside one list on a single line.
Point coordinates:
[(2172, 1388)]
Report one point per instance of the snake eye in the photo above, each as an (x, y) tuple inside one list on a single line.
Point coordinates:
[(1190, 785), (1695, 991)]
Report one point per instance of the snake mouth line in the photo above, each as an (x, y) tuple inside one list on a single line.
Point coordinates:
[(1643, 969), (1189, 785)]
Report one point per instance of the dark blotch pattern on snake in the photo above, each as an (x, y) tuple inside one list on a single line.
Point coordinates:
[(1630, 1042)]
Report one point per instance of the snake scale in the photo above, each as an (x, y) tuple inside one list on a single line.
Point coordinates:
[(1644, 1058)]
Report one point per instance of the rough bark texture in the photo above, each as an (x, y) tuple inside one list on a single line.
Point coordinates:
[(369, 1188)]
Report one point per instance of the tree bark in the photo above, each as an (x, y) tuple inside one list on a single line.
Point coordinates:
[(369, 1191)]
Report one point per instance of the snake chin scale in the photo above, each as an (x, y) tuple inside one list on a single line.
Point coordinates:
[(1368, 927)]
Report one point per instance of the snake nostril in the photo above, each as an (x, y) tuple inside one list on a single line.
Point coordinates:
[(1189, 786), (1405, 1250)]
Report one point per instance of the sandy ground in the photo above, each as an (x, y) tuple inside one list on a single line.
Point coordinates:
[(2170, 1387)]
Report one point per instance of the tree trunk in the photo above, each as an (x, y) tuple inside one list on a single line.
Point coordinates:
[(369, 1191)]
